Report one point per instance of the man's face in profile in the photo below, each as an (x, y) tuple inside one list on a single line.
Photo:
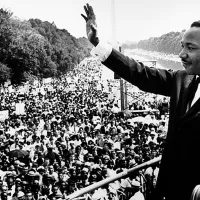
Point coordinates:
[(190, 53)]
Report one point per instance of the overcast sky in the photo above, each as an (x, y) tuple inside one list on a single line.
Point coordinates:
[(135, 19)]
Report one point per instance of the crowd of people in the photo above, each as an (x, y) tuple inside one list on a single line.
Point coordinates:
[(65, 134)]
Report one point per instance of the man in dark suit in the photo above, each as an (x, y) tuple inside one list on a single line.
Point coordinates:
[(180, 168)]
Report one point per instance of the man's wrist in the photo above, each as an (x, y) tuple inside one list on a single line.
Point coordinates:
[(101, 51), (95, 42)]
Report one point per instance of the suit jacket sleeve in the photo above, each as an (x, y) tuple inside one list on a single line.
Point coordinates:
[(158, 81)]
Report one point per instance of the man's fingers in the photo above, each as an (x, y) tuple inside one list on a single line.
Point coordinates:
[(90, 9), (86, 10), (86, 19), (91, 12)]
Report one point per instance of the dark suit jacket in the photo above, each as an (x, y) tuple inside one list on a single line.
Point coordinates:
[(180, 167)]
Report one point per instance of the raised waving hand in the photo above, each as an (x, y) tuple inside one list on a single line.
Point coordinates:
[(91, 26)]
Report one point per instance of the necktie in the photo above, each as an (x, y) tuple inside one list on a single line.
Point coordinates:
[(193, 91)]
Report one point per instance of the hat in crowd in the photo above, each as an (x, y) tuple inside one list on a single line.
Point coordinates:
[(20, 194), (11, 168), (21, 165), (87, 164), (99, 194), (4, 184), (2, 137), (31, 173), (64, 167), (18, 180), (90, 155), (136, 184), (58, 196), (106, 157), (50, 146), (42, 197), (36, 182), (16, 162), (96, 166), (130, 122), (40, 168), (72, 168), (12, 174), (25, 183), (120, 151), (28, 192), (132, 163), (78, 162), (110, 173), (85, 169)]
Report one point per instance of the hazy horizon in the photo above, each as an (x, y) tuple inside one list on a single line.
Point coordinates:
[(135, 21)]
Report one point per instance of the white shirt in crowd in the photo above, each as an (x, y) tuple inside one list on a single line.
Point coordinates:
[(137, 196)]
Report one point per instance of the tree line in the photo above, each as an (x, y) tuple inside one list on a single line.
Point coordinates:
[(167, 43), (34, 48)]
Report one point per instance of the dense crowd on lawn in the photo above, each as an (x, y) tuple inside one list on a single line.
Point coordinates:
[(68, 134)]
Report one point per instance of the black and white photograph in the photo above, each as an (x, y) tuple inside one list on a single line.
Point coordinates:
[(99, 100)]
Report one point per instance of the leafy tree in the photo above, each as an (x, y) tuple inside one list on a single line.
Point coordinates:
[(67, 51), (35, 48), (28, 51), (168, 43), (5, 73), (6, 35)]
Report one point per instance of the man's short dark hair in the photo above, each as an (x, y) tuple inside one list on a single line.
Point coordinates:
[(195, 24)]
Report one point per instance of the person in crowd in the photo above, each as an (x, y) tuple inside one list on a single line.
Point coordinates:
[(137, 194)]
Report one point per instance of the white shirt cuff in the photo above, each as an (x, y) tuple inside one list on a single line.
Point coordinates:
[(101, 51)]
